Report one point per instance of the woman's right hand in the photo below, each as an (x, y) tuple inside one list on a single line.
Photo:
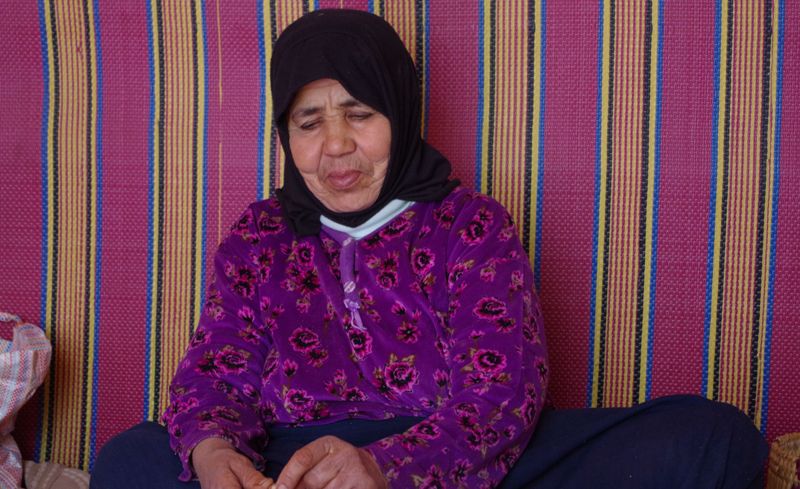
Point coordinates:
[(219, 466)]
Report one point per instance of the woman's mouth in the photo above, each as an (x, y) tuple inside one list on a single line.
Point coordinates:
[(343, 180)]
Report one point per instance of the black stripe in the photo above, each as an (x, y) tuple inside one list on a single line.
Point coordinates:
[(305, 7), (88, 230), (491, 105), (762, 196), (607, 232), (529, 123), (157, 334), (724, 216), (273, 149), (55, 217), (381, 8), (195, 170), (640, 290)]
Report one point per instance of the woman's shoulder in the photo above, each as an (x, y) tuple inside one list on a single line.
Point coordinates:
[(464, 199), (259, 221)]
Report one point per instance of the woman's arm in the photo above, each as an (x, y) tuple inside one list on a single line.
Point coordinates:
[(215, 392), (497, 362)]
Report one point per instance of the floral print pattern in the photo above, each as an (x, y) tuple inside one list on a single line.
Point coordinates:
[(452, 332)]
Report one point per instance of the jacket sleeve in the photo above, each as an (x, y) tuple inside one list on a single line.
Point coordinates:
[(497, 363), (216, 389)]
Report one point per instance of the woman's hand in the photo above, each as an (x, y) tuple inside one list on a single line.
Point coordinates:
[(219, 466), (331, 463)]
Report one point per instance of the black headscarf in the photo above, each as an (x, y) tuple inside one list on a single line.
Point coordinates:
[(363, 53)]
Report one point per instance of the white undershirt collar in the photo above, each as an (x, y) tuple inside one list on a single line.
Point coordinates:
[(383, 216)]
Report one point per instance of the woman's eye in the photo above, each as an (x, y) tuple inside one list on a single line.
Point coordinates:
[(309, 125), (360, 116)]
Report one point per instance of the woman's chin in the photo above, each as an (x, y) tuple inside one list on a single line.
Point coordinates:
[(346, 205)]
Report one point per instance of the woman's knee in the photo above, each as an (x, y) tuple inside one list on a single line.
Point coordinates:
[(718, 435), (130, 454)]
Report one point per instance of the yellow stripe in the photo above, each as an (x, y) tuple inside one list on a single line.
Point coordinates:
[(75, 294), (176, 321), (738, 300), (487, 30), (736, 325), (68, 305), (723, 87), (737, 150), (601, 220), (156, 189)]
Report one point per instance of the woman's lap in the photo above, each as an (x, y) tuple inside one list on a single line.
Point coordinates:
[(671, 442), (680, 441)]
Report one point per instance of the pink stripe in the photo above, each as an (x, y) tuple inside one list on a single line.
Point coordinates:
[(125, 223), (20, 145), (686, 149), (783, 400), (453, 101), (233, 121), (569, 183)]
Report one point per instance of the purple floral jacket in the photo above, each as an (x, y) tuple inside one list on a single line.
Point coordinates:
[(445, 325)]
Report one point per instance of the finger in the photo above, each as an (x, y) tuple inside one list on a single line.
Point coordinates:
[(248, 476), (304, 460), (327, 469)]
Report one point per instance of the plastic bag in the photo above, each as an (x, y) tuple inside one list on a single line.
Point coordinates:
[(24, 362)]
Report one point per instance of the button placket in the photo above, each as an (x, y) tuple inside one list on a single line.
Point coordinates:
[(347, 269)]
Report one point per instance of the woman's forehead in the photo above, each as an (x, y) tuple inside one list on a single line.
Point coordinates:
[(319, 94)]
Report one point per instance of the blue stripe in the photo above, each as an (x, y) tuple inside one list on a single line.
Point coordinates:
[(537, 259), (204, 190), (262, 103), (45, 184), (479, 128), (595, 225), (99, 244), (774, 231), (712, 213), (656, 187), (150, 209), (371, 6)]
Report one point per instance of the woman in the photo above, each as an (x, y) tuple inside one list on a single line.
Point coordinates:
[(375, 325)]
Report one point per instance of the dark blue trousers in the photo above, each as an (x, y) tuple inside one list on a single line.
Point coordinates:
[(672, 442)]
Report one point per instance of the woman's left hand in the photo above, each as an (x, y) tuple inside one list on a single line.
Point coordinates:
[(331, 462)]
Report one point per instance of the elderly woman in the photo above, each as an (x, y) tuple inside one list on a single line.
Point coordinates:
[(376, 325)]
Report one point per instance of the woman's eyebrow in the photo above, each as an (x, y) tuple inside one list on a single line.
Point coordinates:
[(305, 111), (308, 111)]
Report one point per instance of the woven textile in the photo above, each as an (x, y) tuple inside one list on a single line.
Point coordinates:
[(23, 365), (647, 150)]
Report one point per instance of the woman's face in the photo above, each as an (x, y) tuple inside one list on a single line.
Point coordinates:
[(340, 145)]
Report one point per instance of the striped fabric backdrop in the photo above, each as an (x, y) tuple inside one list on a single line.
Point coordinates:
[(648, 151)]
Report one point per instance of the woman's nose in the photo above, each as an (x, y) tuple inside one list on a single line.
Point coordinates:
[(338, 137)]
